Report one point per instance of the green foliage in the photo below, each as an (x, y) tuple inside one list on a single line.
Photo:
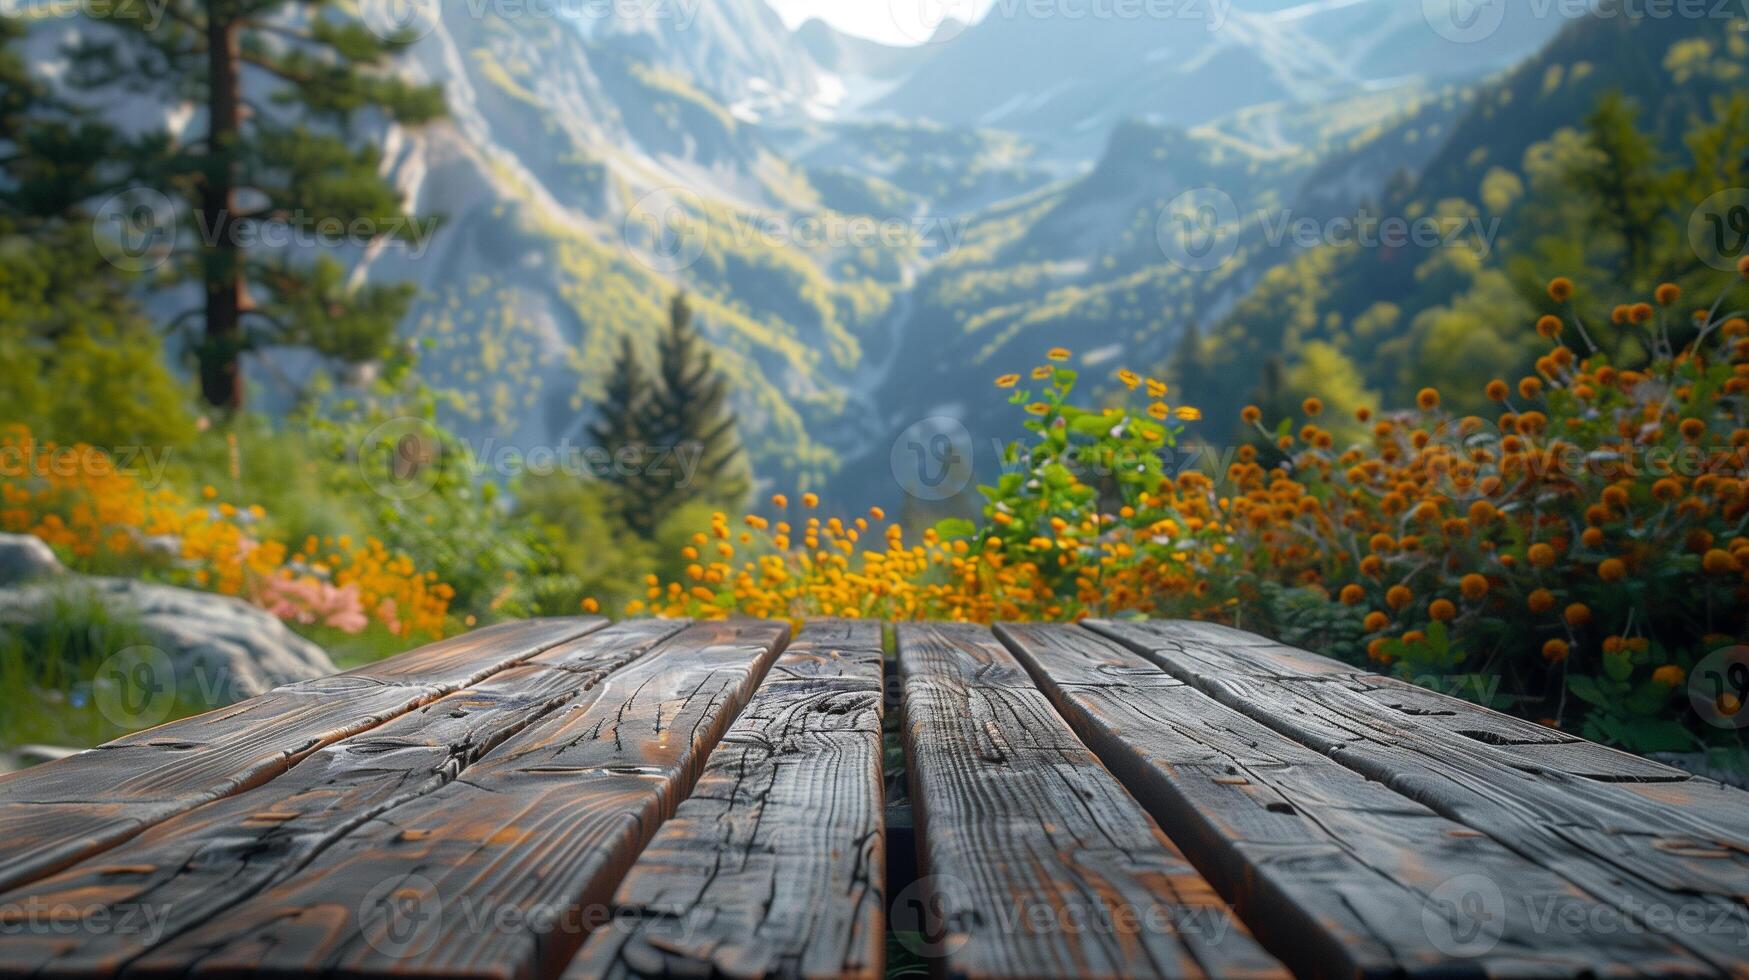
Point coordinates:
[(78, 363), (671, 438), (244, 170)]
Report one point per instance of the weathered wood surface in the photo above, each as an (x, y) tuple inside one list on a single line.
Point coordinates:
[(502, 871), (1036, 862), (1336, 873), (195, 866), (516, 804), (1670, 855), (56, 814), (774, 866)]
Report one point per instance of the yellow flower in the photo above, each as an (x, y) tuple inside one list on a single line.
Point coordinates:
[(1130, 379), (1188, 414), (1008, 381), (1059, 354), (1043, 372), (810, 500), (1039, 408), (1159, 410)]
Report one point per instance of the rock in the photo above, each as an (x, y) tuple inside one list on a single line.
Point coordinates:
[(24, 558), (219, 649)]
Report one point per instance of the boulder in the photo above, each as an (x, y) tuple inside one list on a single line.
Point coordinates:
[(220, 649), (24, 558)]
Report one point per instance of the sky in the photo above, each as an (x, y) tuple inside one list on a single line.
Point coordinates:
[(892, 21)]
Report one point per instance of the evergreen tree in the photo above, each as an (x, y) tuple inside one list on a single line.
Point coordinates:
[(279, 84), (621, 415), (51, 155), (687, 417), (619, 431)]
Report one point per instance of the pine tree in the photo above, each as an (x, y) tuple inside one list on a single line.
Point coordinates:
[(619, 431), (280, 83), (687, 418), (51, 154)]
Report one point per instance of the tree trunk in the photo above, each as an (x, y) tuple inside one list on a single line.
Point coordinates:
[(221, 374)]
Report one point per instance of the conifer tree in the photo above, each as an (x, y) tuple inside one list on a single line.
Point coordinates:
[(687, 417), (52, 155), (619, 432), (277, 85)]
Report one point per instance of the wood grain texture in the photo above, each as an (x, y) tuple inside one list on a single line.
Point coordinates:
[(1339, 875), (1036, 862), (1669, 855), (502, 871), (55, 814), (196, 865), (774, 867)]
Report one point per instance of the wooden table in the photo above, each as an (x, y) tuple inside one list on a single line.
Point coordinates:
[(570, 798)]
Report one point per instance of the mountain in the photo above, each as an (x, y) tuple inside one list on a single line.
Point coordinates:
[(1400, 316), (1071, 75), (871, 233)]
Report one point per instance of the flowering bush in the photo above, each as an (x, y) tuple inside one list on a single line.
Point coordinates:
[(102, 519), (1588, 541)]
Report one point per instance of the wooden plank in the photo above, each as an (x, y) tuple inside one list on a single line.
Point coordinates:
[(194, 866), (1336, 873), (775, 866), (1036, 862), (502, 871), (1671, 857), (62, 812)]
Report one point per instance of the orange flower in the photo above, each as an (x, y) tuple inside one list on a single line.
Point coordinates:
[(1578, 614), (1399, 596), (1541, 601), (1442, 611), (1719, 562), (1251, 415), (1352, 595), (1313, 407), (1474, 587), (1549, 327), (1376, 621), (1561, 289), (1541, 555), (1669, 675), (1668, 294), (1497, 390), (1612, 570), (1428, 399), (1556, 651)]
